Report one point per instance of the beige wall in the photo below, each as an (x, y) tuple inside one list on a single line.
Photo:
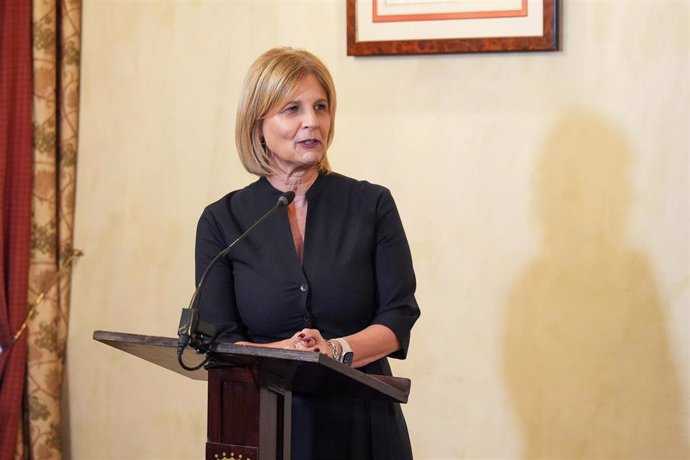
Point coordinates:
[(545, 197)]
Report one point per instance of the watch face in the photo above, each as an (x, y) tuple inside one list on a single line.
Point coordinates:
[(347, 358)]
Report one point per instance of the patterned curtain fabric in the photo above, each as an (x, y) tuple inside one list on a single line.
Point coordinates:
[(15, 218), (56, 52), (37, 186)]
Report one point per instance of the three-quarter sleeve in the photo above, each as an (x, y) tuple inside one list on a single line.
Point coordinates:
[(217, 306), (395, 279)]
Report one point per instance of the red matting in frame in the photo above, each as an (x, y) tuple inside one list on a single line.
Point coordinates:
[(450, 15)]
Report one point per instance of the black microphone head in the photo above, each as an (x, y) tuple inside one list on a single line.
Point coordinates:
[(285, 199)]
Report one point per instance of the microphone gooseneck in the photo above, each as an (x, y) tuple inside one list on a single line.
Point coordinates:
[(189, 319)]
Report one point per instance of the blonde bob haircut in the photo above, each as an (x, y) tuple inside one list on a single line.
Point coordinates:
[(269, 83)]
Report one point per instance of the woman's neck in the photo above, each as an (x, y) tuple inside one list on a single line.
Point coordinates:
[(298, 182)]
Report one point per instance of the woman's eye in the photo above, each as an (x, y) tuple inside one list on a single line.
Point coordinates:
[(322, 106)]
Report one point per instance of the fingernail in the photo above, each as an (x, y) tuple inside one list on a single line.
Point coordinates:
[(317, 350)]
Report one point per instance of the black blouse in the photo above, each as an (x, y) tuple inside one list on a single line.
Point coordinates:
[(356, 271)]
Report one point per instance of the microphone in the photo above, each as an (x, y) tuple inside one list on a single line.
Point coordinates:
[(188, 330)]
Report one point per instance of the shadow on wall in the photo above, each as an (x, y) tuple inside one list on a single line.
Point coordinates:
[(586, 355)]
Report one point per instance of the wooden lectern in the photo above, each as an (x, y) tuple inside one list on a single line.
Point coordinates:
[(250, 389)]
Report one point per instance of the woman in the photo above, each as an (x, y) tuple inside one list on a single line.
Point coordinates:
[(332, 275)]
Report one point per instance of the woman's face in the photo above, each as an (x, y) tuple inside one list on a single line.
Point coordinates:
[(296, 135)]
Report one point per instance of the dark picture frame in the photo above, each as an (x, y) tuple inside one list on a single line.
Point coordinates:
[(547, 41)]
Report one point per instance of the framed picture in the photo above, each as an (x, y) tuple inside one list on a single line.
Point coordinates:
[(378, 27)]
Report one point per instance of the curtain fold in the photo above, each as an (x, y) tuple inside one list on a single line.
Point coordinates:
[(15, 219), (56, 54)]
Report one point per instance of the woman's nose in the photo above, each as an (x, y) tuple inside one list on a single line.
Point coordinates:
[(310, 119)]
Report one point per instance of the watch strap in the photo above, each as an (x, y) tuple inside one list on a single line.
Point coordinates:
[(346, 355)]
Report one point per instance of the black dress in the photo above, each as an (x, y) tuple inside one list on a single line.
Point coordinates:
[(356, 271)]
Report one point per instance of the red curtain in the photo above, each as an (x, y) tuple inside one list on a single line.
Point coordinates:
[(15, 220)]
